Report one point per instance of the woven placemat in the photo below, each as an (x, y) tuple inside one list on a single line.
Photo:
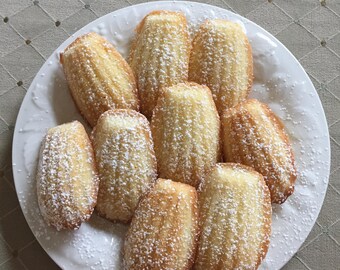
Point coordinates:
[(31, 30)]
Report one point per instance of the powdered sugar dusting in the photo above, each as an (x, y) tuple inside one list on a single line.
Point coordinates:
[(281, 83), (163, 232), (98, 77), (159, 55), (186, 131), (67, 182), (235, 218), (252, 135), (221, 59), (126, 162)]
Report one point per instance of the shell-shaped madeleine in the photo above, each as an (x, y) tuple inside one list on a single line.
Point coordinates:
[(253, 135), (221, 58), (159, 55), (98, 77), (126, 162), (67, 180), (186, 131), (163, 232), (235, 219)]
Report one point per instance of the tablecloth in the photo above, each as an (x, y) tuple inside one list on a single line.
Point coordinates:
[(31, 30)]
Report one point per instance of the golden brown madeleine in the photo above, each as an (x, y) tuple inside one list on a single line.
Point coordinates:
[(221, 58), (235, 219), (253, 135), (67, 180), (164, 230), (98, 76), (159, 55), (126, 162), (186, 131)]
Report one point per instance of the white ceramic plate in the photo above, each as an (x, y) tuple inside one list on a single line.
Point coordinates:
[(280, 81)]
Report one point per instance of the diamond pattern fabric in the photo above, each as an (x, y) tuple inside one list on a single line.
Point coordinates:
[(31, 30)]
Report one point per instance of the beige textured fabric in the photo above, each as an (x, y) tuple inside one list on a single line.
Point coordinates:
[(31, 30)]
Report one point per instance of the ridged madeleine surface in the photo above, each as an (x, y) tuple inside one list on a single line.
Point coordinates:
[(186, 132), (163, 232), (98, 76), (235, 219), (159, 55), (253, 135), (126, 162), (67, 180), (221, 58)]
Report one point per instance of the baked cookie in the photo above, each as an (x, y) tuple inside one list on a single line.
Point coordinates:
[(253, 135), (235, 219), (186, 131), (163, 232), (159, 55), (126, 162), (67, 180), (98, 77), (221, 58)]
